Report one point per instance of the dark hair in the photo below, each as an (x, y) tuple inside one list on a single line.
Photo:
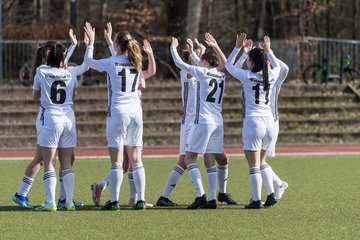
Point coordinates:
[(211, 58), (127, 42), (41, 56), (259, 58), (186, 55), (56, 55)]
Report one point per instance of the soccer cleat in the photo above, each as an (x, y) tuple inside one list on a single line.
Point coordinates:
[(22, 201), (78, 204), (140, 205), (199, 202), (279, 191), (61, 203), (111, 206), (132, 203), (210, 204), (165, 202), (97, 190), (254, 205), (224, 197), (46, 207), (149, 205), (69, 206), (270, 201)]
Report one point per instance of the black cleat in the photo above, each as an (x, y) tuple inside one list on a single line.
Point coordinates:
[(270, 201), (254, 205), (210, 204), (111, 206), (224, 197), (140, 205), (200, 202), (165, 202)]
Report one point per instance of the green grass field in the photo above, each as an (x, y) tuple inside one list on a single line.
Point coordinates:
[(321, 203)]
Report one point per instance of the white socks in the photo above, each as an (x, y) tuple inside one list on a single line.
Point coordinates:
[(174, 176), (49, 180), (195, 178), (132, 187), (62, 189), (25, 186), (211, 174), (115, 180), (222, 173), (139, 180), (68, 177), (266, 175), (255, 181)]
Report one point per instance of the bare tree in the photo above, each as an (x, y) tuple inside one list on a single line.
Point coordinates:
[(193, 18)]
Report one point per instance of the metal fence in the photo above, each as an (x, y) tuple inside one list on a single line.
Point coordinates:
[(297, 54)]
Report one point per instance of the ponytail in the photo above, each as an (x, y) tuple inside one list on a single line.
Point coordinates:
[(134, 53), (259, 58), (265, 73), (37, 61), (127, 43), (56, 55)]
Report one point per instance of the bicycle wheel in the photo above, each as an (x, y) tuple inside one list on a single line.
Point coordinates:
[(313, 74), (24, 74), (350, 74), (80, 78)]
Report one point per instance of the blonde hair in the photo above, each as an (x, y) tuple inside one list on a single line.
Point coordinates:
[(126, 42)]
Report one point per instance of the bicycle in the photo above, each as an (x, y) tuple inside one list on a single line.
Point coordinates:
[(25, 74), (344, 71)]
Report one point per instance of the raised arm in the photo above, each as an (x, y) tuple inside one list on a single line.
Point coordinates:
[(109, 41), (78, 70), (200, 46), (211, 42), (248, 45), (175, 55), (151, 60), (193, 54), (273, 60), (71, 49), (236, 72), (284, 70)]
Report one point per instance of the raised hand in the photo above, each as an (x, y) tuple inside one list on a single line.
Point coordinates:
[(248, 45), (90, 32), (210, 40), (174, 42), (266, 44), (190, 44), (200, 45), (147, 47), (72, 37), (86, 39), (108, 33), (240, 40)]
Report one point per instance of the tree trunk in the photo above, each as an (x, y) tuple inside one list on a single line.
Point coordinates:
[(176, 12), (193, 18), (262, 17)]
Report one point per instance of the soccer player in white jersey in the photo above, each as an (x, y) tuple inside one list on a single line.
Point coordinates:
[(258, 127), (58, 132), (188, 84), (207, 133), (20, 197), (124, 123), (98, 188), (279, 185)]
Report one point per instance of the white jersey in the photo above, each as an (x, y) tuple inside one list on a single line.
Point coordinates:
[(209, 91), (57, 89), (188, 88), (123, 82), (256, 101)]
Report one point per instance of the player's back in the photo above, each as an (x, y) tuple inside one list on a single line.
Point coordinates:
[(57, 89)]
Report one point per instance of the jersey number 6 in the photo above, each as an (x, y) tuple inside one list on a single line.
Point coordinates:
[(57, 93)]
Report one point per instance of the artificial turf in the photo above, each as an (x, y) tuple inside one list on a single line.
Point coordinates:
[(321, 203)]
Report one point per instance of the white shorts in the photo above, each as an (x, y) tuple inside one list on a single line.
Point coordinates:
[(206, 138), (124, 129), (184, 134), (271, 150), (257, 133), (59, 135)]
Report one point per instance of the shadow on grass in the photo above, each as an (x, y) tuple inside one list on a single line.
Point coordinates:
[(124, 208)]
